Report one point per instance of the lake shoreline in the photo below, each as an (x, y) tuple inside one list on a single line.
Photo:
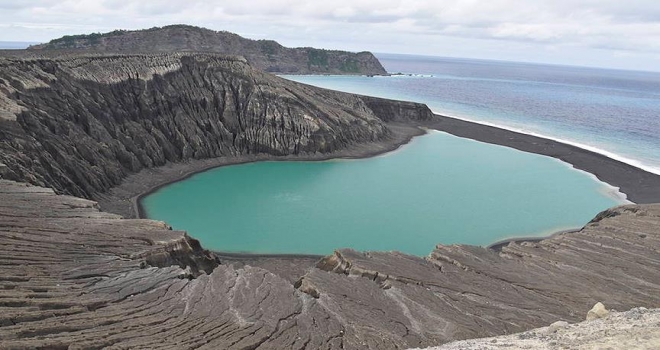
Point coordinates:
[(637, 184), (125, 199)]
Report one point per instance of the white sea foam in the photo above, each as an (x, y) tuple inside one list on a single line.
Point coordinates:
[(606, 189), (633, 162)]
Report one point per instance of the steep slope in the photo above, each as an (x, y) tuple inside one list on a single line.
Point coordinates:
[(266, 55), (75, 277), (80, 124)]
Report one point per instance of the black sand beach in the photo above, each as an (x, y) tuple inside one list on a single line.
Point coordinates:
[(125, 198), (639, 185)]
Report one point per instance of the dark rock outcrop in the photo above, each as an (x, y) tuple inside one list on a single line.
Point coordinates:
[(398, 111), (82, 123), (75, 277), (266, 55)]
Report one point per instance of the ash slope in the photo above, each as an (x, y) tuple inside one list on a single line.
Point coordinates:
[(78, 277), (81, 123), (266, 55)]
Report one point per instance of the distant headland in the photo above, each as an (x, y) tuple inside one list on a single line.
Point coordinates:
[(265, 55)]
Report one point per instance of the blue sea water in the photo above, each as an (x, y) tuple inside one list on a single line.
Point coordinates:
[(15, 45), (613, 112)]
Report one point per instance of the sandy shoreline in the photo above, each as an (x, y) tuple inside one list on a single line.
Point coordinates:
[(640, 186), (497, 246), (125, 198)]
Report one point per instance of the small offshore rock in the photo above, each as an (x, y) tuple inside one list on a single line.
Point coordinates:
[(596, 312)]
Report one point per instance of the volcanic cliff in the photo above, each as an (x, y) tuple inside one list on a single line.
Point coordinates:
[(266, 55), (80, 124)]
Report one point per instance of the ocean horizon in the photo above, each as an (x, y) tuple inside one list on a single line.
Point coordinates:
[(16, 45), (380, 55), (629, 135)]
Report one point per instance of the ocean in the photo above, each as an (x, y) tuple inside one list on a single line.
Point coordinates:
[(612, 112), (15, 45), (439, 189)]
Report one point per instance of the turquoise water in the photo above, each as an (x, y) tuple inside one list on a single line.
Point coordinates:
[(437, 189)]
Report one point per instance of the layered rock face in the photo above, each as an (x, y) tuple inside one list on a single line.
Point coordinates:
[(266, 55), (76, 277), (80, 124)]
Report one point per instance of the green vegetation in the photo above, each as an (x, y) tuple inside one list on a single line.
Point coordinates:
[(177, 26), (69, 40), (94, 38), (318, 58), (269, 47), (263, 54), (349, 66), (117, 32)]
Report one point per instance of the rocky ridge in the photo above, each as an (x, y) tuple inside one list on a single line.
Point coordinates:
[(81, 123), (266, 55), (76, 277)]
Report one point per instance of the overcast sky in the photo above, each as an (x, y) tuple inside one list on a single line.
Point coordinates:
[(601, 33)]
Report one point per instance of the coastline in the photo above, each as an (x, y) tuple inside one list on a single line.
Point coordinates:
[(498, 245), (639, 186), (603, 152), (125, 199)]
